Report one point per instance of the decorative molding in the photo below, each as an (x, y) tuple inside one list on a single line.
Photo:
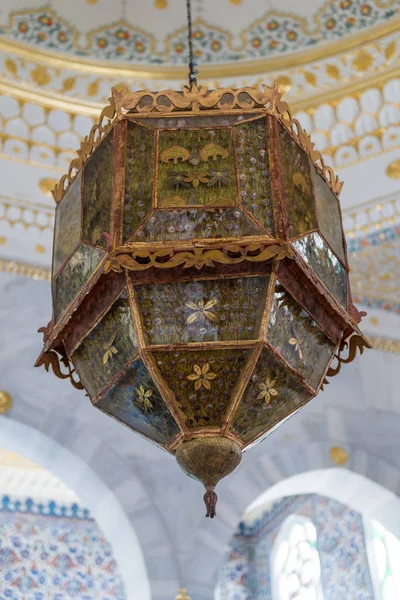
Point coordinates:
[(25, 270), (385, 344), (14, 211), (340, 24)]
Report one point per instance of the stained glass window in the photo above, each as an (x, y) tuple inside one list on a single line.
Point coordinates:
[(384, 556), (295, 563)]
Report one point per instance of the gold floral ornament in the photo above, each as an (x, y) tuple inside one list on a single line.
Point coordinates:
[(267, 391), (195, 180), (201, 309), (143, 397), (109, 350), (294, 342), (202, 376)]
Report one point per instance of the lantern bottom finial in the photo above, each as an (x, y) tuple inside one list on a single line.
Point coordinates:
[(209, 459)]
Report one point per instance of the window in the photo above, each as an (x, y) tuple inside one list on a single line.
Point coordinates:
[(384, 559), (295, 564)]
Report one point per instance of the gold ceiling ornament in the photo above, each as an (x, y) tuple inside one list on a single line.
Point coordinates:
[(339, 455), (5, 402), (182, 595), (393, 169), (200, 275)]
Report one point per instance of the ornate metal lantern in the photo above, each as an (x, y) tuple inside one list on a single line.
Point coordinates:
[(200, 276)]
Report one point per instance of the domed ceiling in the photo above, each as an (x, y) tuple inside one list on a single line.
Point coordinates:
[(154, 32)]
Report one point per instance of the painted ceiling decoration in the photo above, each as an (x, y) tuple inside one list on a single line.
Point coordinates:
[(271, 33)]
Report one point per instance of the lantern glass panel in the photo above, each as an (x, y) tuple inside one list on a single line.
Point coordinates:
[(139, 177), (107, 348), (135, 401), (203, 381), (195, 223), (196, 168), (75, 273), (67, 228), (97, 191), (324, 263), (272, 393), (294, 334), (299, 196), (202, 310), (253, 167), (328, 214)]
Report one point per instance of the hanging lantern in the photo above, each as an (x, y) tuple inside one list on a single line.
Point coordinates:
[(200, 276)]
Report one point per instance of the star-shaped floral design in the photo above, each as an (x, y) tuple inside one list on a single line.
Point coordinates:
[(202, 376), (267, 390), (201, 309)]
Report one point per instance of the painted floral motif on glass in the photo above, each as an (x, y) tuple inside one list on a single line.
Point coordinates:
[(328, 215), (298, 338), (253, 171), (67, 224), (135, 401), (75, 273), (59, 551), (138, 177), (271, 394), (325, 265), (107, 348), (196, 168), (202, 310), (196, 223), (298, 189), (202, 381), (97, 188)]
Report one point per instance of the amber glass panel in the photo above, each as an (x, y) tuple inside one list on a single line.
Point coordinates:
[(139, 177), (196, 168), (67, 224), (203, 311), (254, 171), (107, 348), (328, 215), (272, 393), (189, 223), (298, 186), (202, 381), (298, 338), (136, 401), (75, 273), (325, 265), (97, 189)]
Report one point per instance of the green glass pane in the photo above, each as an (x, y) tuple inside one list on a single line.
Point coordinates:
[(254, 171), (196, 167), (324, 264), (67, 228), (97, 190), (202, 381), (107, 348), (202, 311), (298, 186), (328, 214), (75, 273), (298, 338), (192, 223), (139, 177), (271, 394), (136, 401)]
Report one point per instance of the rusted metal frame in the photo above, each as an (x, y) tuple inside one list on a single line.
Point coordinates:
[(66, 261), (329, 321), (219, 345), (88, 312), (118, 182), (200, 113), (156, 135), (166, 394), (269, 301), (240, 386), (281, 221), (192, 115), (199, 432), (115, 378), (65, 317), (181, 245)]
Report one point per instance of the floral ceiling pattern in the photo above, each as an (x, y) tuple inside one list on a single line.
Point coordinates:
[(273, 34)]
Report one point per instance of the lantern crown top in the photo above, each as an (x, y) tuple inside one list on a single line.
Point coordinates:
[(194, 101)]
